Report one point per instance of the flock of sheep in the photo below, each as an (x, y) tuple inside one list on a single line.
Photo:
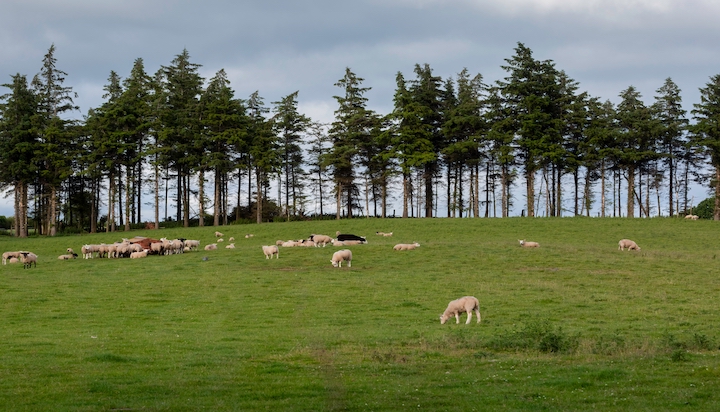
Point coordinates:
[(141, 247)]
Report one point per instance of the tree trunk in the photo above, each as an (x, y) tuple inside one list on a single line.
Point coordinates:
[(406, 189), (602, 188), (216, 201), (530, 190), (157, 195), (127, 198), (259, 197), (716, 214), (631, 191)]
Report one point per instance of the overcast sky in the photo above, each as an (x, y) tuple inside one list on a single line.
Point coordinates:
[(278, 47)]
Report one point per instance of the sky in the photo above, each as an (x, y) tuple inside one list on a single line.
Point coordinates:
[(279, 47)]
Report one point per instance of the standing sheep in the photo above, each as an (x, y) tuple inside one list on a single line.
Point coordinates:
[(627, 243), (466, 304), (523, 243), (340, 256), (320, 239), (9, 255), (269, 251), (28, 258)]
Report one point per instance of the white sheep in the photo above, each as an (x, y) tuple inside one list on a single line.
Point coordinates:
[(138, 255), (321, 239), (380, 233), (9, 255), (406, 246), (192, 244), (28, 258), (269, 251), (336, 242), (523, 243), (67, 257), (212, 246), (218, 234), (279, 242), (466, 304), (13, 260), (691, 217), (289, 243), (627, 243), (220, 240), (388, 234), (232, 239), (249, 235), (230, 246), (340, 256)]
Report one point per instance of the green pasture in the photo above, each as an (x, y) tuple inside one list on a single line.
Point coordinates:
[(573, 325)]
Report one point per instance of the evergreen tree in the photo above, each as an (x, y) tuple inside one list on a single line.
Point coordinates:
[(351, 126), (318, 150), (289, 126), (18, 144), (673, 123), (56, 136), (706, 131), (262, 149), (224, 123), (180, 126)]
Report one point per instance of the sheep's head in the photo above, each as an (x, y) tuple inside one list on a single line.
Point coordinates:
[(522, 242), (334, 263), (443, 319)]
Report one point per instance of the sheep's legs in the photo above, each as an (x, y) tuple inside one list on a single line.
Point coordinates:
[(457, 317), (349, 264), (469, 317), (477, 312)]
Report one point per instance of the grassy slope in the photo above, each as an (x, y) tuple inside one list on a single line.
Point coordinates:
[(241, 332)]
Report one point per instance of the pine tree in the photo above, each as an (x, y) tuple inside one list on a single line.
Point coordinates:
[(289, 126), (706, 131), (262, 149), (673, 123), (56, 136), (18, 144)]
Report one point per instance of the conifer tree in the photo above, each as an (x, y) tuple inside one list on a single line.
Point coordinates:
[(706, 131)]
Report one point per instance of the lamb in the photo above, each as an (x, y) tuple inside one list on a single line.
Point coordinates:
[(523, 243), (230, 246), (289, 243), (138, 255), (212, 246), (157, 248), (627, 243), (336, 242), (249, 235), (28, 258), (464, 304), (340, 256), (67, 257), (406, 246), (218, 234), (9, 255), (269, 251), (279, 242), (388, 234), (232, 239), (380, 233), (192, 244), (13, 260), (320, 239), (691, 217), (220, 240), (353, 242), (308, 243)]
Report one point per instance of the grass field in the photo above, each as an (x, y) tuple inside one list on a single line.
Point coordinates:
[(573, 325)]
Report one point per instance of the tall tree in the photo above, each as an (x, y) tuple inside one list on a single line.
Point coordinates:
[(347, 131), (290, 126), (636, 140), (18, 144), (531, 91), (706, 131), (673, 123), (318, 149), (224, 123), (56, 134), (180, 119), (262, 149)]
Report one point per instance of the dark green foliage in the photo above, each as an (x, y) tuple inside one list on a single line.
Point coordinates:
[(704, 209), (536, 334)]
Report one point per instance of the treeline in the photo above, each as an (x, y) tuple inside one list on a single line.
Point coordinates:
[(457, 140)]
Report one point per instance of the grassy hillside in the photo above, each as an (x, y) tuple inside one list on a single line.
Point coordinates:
[(573, 325)]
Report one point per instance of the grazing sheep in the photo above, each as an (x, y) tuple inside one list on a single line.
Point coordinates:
[(212, 246), (627, 243), (406, 246), (340, 256), (67, 257), (28, 258), (218, 234), (138, 255), (456, 307), (320, 239), (269, 251), (9, 255), (523, 243), (230, 246)]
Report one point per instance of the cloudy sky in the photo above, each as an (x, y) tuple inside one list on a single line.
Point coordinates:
[(277, 47)]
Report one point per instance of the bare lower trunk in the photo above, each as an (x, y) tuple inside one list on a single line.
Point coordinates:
[(631, 191)]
